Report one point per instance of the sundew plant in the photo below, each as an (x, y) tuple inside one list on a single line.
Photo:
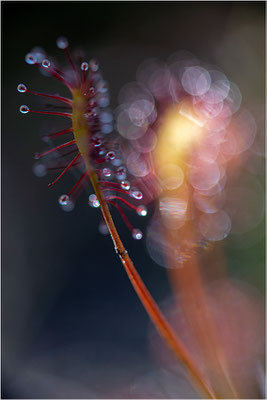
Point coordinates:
[(176, 141)]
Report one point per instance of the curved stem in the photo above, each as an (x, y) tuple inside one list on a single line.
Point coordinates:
[(162, 325)]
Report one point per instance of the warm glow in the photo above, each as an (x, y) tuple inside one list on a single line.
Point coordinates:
[(179, 131)]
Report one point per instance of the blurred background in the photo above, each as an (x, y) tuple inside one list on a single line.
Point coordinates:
[(72, 326)]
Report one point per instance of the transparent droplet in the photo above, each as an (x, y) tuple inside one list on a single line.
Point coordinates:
[(106, 117), (93, 65), (39, 170), (142, 211), (102, 87), (110, 155), (137, 234), (137, 165), (103, 229), (69, 206), (91, 115), (91, 91), (63, 200), (106, 172), (92, 103), (62, 42), (116, 162), (103, 101), (121, 173), (93, 201), (46, 63), (106, 128), (136, 194), (36, 156), (125, 185), (30, 58), (38, 53), (84, 66), (97, 142), (21, 88), (24, 109), (102, 151)]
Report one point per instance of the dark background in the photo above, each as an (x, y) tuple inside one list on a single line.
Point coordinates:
[(72, 326)]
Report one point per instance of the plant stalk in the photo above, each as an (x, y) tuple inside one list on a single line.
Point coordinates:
[(158, 319)]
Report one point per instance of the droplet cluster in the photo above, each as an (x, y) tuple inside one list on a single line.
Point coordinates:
[(104, 151)]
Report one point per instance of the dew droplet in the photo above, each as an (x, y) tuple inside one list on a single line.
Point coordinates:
[(62, 42), (106, 117), (63, 199), (24, 109), (101, 151), (92, 103), (121, 173), (45, 139), (142, 211), (116, 162), (38, 53), (21, 88), (46, 63), (102, 86), (125, 185), (91, 91), (110, 155), (36, 156), (136, 194), (93, 201), (103, 229), (69, 206), (106, 128), (106, 172), (39, 170), (97, 142), (137, 234), (103, 101), (30, 58), (93, 65), (84, 66)]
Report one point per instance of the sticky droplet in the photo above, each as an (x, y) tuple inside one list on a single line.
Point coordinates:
[(63, 200), (142, 211), (106, 172), (39, 170), (121, 173), (46, 63), (103, 229), (24, 109), (110, 155), (84, 66), (21, 88), (137, 234), (30, 58), (136, 194), (62, 42), (93, 201), (125, 185), (93, 65)]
